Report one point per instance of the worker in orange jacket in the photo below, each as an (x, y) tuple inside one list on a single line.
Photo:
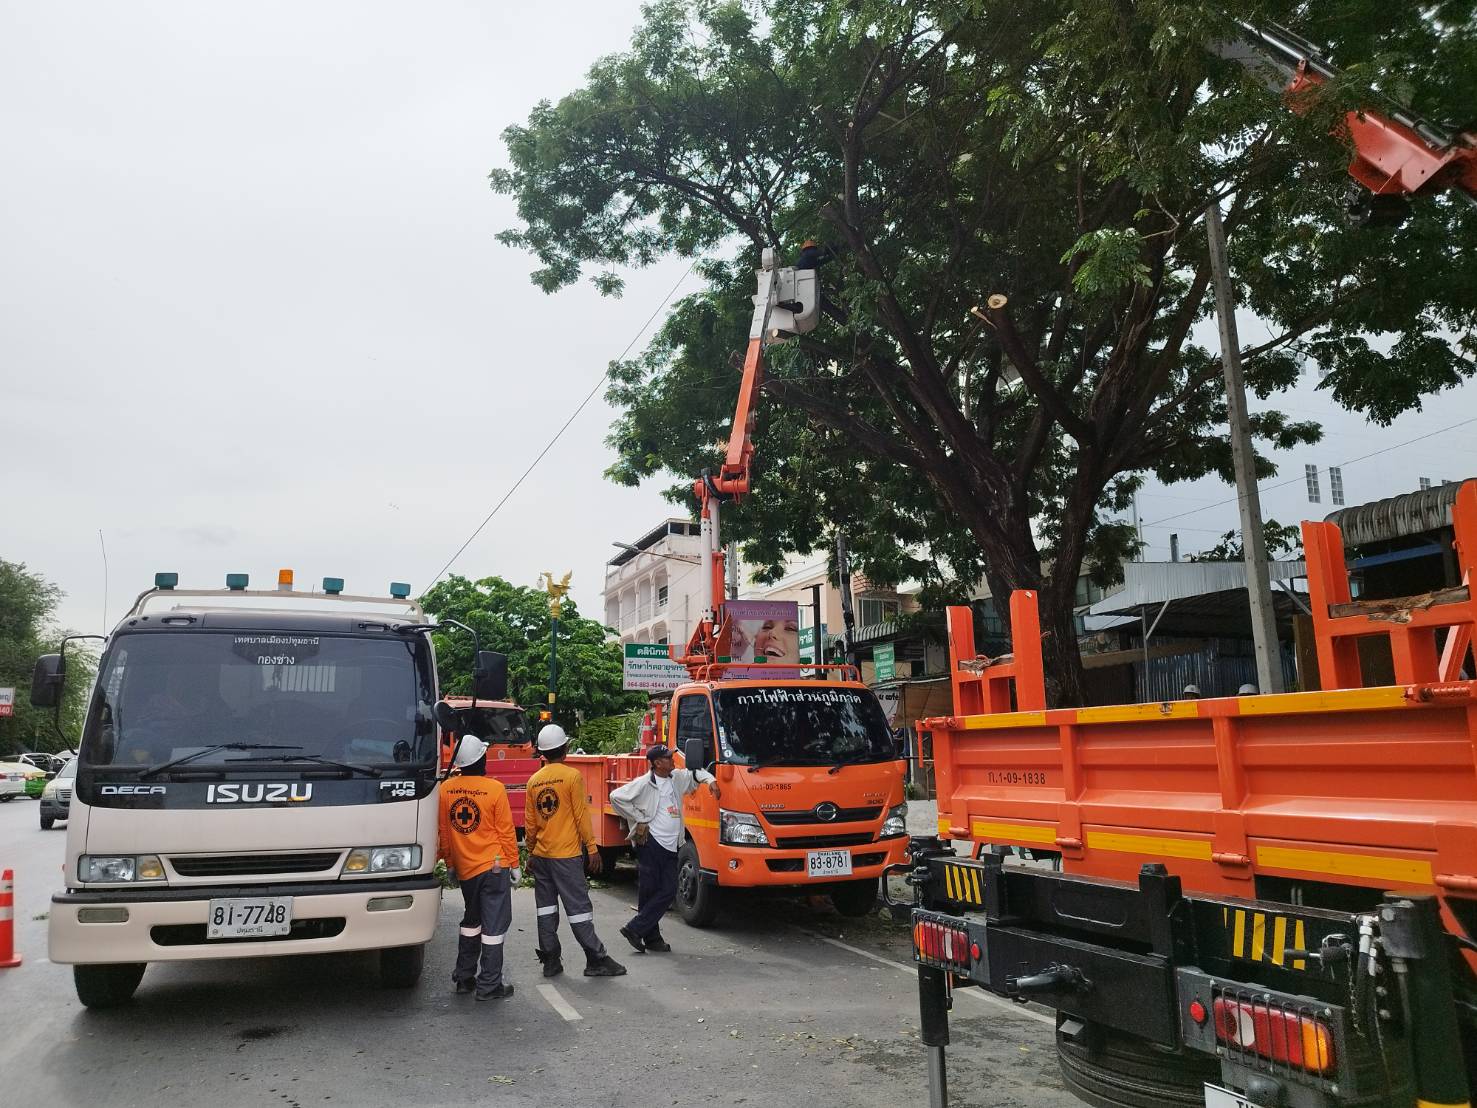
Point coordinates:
[(480, 846)]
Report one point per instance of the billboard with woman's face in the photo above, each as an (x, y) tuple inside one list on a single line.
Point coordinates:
[(766, 630)]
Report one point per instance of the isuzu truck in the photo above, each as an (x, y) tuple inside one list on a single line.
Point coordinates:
[(257, 776)]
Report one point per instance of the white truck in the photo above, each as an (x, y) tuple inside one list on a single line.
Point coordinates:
[(257, 776)]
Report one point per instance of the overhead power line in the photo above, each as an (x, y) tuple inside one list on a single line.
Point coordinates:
[(1296, 480), (562, 427)]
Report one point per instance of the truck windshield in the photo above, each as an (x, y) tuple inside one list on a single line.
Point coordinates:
[(801, 726), (164, 696)]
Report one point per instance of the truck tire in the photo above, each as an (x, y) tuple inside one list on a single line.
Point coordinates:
[(1125, 1072), (854, 898), (400, 966), (47, 823), (7, 798), (107, 986), (697, 901)]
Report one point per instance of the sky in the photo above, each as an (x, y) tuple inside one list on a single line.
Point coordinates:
[(252, 312)]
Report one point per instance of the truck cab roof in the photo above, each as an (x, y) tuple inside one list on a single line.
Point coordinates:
[(261, 619)]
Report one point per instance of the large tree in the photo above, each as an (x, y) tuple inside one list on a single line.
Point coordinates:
[(27, 630), (1060, 154), (515, 621)]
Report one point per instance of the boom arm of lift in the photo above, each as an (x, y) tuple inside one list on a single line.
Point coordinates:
[(786, 304), (1395, 153)]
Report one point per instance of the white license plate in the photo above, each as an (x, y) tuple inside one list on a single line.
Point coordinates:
[(249, 917), (828, 863), (1217, 1097)]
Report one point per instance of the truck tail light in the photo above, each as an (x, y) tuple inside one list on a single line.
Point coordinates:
[(1274, 1032), (943, 944)]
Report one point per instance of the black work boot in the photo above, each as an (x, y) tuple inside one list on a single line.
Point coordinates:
[(553, 966), (604, 966), (655, 942), (637, 943), (501, 992), (463, 987)]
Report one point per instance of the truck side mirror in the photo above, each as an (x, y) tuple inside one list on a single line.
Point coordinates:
[(47, 680), (490, 676), (695, 753), (446, 716)]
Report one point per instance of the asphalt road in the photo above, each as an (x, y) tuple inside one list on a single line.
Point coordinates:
[(783, 1003)]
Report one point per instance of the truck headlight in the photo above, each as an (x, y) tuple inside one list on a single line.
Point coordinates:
[(115, 868), (896, 822), (382, 859), (740, 829)]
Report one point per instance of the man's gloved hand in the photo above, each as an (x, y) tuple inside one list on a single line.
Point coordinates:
[(713, 787), (515, 874), (593, 863), (641, 835)]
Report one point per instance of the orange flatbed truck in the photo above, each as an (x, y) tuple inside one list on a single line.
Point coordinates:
[(1257, 900), (511, 760)]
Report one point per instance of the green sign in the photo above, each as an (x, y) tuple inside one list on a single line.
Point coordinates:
[(649, 668), (808, 648), (884, 662)]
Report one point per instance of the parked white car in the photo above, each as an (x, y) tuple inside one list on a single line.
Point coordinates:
[(13, 780)]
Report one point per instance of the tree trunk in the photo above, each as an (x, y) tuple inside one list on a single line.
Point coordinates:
[(1066, 680)]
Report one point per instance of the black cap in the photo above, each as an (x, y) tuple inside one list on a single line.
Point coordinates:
[(658, 752)]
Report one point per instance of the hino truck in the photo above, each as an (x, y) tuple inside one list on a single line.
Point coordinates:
[(810, 780), (257, 776)]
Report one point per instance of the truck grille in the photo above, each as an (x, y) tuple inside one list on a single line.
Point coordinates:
[(815, 841), (242, 865), (843, 815)]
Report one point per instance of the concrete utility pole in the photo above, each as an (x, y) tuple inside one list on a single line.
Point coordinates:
[(1253, 542), (843, 577)]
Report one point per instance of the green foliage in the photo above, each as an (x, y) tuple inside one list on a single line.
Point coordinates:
[(515, 621), (27, 630), (1059, 153), (1283, 541), (611, 734)]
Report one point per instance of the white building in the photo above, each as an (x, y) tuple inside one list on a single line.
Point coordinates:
[(654, 588), (1356, 462)]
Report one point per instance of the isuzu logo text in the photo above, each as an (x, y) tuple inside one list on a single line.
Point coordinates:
[(260, 793)]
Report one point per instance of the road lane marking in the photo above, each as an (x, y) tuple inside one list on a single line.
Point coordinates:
[(976, 993), (558, 1003)]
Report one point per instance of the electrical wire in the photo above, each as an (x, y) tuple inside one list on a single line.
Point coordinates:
[(1295, 480), (564, 426)]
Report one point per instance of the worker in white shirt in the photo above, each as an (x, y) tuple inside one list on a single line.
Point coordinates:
[(652, 806)]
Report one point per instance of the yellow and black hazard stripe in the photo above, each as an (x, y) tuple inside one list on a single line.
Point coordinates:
[(963, 884), (1265, 937)]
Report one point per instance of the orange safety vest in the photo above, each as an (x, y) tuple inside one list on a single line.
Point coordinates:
[(476, 825)]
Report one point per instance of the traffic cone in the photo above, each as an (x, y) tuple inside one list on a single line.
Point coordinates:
[(8, 956)]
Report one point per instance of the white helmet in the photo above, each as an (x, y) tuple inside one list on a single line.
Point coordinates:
[(468, 751), (551, 737)]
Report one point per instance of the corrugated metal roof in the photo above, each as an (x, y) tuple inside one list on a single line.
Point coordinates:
[(1412, 513), (1152, 583)]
